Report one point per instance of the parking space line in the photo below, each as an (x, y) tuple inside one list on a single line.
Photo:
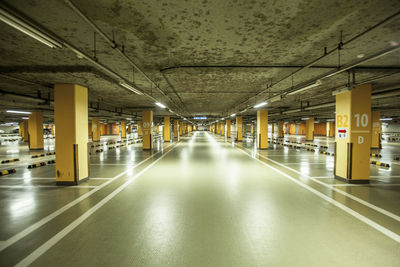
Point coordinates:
[(61, 210)]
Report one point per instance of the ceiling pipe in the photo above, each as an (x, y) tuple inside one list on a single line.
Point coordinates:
[(114, 45), (325, 55)]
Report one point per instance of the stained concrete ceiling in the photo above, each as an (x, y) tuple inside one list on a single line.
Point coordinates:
[(210, 58)]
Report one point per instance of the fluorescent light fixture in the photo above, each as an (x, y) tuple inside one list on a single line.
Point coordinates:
[(233, 115), (305, 119), (128, 119), (160, 105), (25, 118), (130, 87), (317, 83), (185, 119), (386, 119), (330, 120), (223, 119), (18, 112), (199, 118), (260, 104), (20, 25), (275, 98)]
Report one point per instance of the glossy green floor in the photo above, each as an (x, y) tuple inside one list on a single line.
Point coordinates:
[(201, 202)]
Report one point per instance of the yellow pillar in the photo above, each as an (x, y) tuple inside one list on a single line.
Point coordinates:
[(20, 128), (35, 129), (53, 130), (310, 129), (176, 128), (252, 127), (123, 129), (330, 129), (139, 127), (262, 129), (376, 130), (228, 128), (157, 129), (95, 130), (71, 118), (222, 128), (129, 129), (239, 128), (167, 124), (353, 134), (181, 128), (280, 129), (147, 123)]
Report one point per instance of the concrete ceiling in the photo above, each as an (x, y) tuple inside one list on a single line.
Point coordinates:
[(210, 58)]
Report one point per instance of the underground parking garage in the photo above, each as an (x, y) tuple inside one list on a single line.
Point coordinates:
[(199, 133)]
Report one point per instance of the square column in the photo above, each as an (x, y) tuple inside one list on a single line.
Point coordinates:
[(147, 122), (176, 128), (252, 126), (272, 130), (71, 118), (139, 128), (262, 129), (239, 128), (180, 128), (353, 135), (330, 129), (95, 130), (35, 131), (166, 129), (222, 127), (123, 129), (228, 128), (280, 129), (310, 129), (376, 130), (129, 129)]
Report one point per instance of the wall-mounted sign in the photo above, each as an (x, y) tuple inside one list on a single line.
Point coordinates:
[(342, 133)]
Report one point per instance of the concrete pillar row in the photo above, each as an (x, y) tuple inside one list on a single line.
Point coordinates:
[(71, 119)]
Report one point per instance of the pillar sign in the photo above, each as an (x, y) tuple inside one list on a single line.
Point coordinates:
[(353, 134)]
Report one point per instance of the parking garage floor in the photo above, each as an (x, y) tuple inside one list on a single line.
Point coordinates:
[(201, 202)]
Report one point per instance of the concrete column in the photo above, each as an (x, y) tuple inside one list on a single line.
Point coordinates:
[(376, 130), (147, 120), (166, 129), (176, 128), (71, 118), (310, 129), (157, 129), (252, 127), (330, 129), (228, 128), (123, 129), (222, 128), (239, 128), (139, 127), (53, 129), (280, 129), (95, 130), (129, 128), (181, 128), (35, 130), (262, 129), (353, 135)]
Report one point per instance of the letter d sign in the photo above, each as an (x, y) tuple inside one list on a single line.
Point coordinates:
[(360, 140)]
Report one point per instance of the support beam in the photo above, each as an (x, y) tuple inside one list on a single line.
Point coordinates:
[(71, 117), (123, 129), (376, 130), (353, 135), (176, 129), (95, 130), (228, 128), (147, 122), (280, 129), (35, 129), (262, 129), (310, 129), (167, 129), (239, 129)]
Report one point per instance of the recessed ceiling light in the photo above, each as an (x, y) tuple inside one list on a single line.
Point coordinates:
[(360, 55), (18, 112)]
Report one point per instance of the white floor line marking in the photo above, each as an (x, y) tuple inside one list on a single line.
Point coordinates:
[(101, 164), (309, 163), (54, 240), (323, 177), (54, 214), (357, 215), (359, 200), (28, 178), (100, 179)]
